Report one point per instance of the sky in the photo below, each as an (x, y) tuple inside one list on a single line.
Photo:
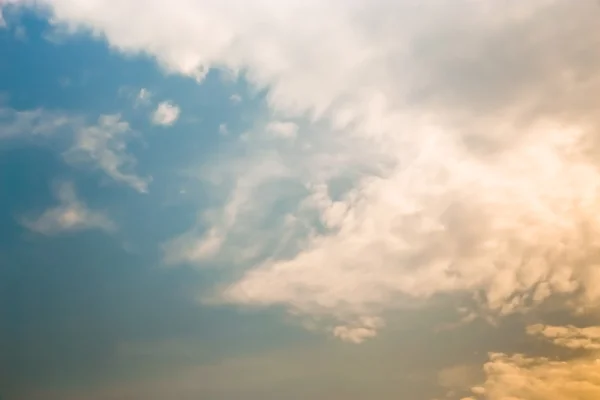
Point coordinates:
[(341, 200)]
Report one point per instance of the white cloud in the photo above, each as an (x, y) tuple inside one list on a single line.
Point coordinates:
[(469, 151), (104, 146), (143, 97), (568, 336), (365, 328), (165, 114), (15, 123), (230, 223), (235, 98), (70, 215), (189, 248), (282, 129)]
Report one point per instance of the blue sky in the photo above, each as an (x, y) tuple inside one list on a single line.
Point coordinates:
[(298, 200)]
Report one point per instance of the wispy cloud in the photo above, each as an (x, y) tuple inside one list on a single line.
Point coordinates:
[(143, 97), (104, 146), (219, 230), (166, 114), (14, 123), (70, 215), (235, 98)]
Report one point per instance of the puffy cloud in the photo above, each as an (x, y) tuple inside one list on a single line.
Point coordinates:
[(365, 328), (463, 133), (568, 336), (70, 215), (445, 228), (539, 378), (104, 146), (522, 377), (165, 114)]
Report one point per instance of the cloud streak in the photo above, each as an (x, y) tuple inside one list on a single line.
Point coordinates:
[(35, 122), (104, 146)]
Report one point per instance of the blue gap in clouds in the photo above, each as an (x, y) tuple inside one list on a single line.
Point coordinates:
[(33, 75)]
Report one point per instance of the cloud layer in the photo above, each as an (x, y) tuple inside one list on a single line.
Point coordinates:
[(464, 132)]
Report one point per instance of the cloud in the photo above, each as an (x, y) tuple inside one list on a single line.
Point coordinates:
[(451, 147), (365, 328), (218, 230), (14, 123), (235, 98), (283, 130), (143, 97), (539, 378), (223, 130), (519, 376), (69, 216), (104, 146), (568, 336), (165, 114)]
